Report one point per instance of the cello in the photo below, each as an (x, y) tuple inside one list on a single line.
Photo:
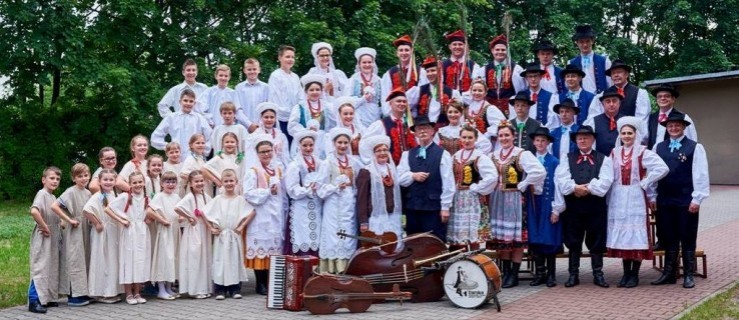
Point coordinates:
[(409, 266), (369, 239), (324, 294)]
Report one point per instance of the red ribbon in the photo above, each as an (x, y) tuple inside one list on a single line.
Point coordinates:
[(585, 157)]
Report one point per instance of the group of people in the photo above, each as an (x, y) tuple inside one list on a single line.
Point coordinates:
[(501, 156)]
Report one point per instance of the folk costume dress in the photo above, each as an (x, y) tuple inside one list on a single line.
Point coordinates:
[(265, 233), (164, 266), (378, 192), (311, 114), (331, 75), (222, 161), (226, 213), (102, 280), (519, 172), (280, 145), (544, 236), (401, 137), (356, 130), (195, 162), (76, 254), (338, 210), (195, 247), (483, 116), (216, 138), (304, 220), (134, 255), (365, 90), (45, 260), (636, 170), (475, 177)]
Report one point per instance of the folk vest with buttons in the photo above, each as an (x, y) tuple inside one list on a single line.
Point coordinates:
[(676, 187)]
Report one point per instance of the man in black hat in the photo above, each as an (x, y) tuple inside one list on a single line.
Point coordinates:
[(594, 65), (679, 196), (544, 100), (573, 75), (426, 99), (551, 79), (426, 174), (561, 142), (604, 124), (523, 123), (665, 94), (545, 231), (583, 179), (635, 100)]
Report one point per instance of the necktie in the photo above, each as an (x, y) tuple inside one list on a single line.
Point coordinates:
[(572, 95), (541, 159), (520, 127), (662, 117), (534, 96), (585, 157), (611, 123), (564, 129), (422, 153), (621, 91), (498, 68), (585, 62), (674, 145)]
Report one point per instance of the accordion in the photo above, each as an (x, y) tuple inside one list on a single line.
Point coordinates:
[(287, 277)]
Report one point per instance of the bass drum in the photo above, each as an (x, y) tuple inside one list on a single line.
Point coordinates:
[(472, 281)]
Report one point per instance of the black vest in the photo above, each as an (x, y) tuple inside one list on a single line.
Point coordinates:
[(525, 141), (628, 104), (605, 140), (583, 173), (676, 187), (425, 195)]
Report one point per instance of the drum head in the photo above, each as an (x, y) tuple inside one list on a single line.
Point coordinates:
[(466, 284)]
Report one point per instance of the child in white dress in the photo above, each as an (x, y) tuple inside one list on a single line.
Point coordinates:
[(167, 236), (195, 244)]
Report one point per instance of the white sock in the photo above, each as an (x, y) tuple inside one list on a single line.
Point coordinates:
[(162, 289)]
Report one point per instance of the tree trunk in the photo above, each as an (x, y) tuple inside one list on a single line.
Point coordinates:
[(56, 85)]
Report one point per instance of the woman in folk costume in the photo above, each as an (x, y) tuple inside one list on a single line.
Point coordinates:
[(313, 113), (636, 171), (378, 191), (475, 177), (335, 79), (501, 76), (228, 214), (302, 182), (267, 112), (545, 231), (263, 189), (364, 87), (338, 192), (447, 136), (519, 172), (346, 118), (480, 113)]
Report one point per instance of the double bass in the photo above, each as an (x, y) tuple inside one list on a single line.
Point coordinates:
[(409, 266)]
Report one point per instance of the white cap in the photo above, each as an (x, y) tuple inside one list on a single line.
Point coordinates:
[(340, 101), (336, 132), (264, 106), (363, 51), (312, 77), (320, 45), (302, 134)]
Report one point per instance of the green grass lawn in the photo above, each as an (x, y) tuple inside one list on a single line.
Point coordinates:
[(722, 306), (15, 231)]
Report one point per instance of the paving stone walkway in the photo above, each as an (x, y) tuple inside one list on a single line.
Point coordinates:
[(718, 236)]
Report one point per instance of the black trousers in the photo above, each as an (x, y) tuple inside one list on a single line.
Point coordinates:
[(678, 227), (230, 290), (417, 221), (590, 226)]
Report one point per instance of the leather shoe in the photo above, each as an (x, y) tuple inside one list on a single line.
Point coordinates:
[(572, 281), (36, 307), (598, 280)]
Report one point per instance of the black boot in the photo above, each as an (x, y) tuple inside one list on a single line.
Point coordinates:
[(668, 273), (627, 273), (540, 276), (551, 270), (596, 260), (688, 262), (574, 269), (634, 279), (36, 307), (506, 266), (513, 277), (262, 277)]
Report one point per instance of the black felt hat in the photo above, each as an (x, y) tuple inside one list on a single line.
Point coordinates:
[(532, 68), (618, 64), (583, 31), (582, 130), (572, 68), (523, 96), (666, 87), (567, 103), (422, 120), (545, 45), (611, 92), (675, 116), (542, 131)]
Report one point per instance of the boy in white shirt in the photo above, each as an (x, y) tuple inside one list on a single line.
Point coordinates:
[(228, 116), (181, 125), (172, 97), (209, 103), (251, 93)]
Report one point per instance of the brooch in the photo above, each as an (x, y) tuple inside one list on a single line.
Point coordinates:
[(681, 156)]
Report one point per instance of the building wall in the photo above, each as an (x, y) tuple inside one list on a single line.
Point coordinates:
[(714, 108)]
